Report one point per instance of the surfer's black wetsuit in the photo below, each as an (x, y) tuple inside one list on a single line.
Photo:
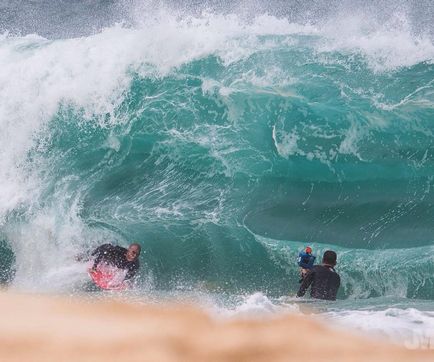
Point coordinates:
[(116, 256), (325, 283)]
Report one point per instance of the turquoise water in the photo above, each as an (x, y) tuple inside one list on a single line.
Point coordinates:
[(223, 144)]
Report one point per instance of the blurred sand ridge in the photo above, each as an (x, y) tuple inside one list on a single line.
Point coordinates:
[(51, 328)]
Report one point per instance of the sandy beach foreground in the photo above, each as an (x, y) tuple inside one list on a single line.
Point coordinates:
[(48, 328)]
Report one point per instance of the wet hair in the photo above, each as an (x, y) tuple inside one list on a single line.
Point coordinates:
[(329, 257), (136, 245)]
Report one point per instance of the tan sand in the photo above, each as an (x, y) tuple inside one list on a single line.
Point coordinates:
[(46, 328)]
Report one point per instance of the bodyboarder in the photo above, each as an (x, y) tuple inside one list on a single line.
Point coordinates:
[(305, 261), (119, 257)]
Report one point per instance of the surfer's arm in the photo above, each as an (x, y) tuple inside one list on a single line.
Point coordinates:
[(99, 253), (307, 281)]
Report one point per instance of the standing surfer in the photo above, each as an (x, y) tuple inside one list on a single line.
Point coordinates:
[(323, 278)]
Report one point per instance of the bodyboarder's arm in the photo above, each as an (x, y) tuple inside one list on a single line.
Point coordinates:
[(132, 271), (99, 253)]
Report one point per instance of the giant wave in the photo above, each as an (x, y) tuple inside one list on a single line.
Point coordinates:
[(223, 146)]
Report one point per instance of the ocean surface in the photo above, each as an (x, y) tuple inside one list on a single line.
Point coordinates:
[(224, 139)]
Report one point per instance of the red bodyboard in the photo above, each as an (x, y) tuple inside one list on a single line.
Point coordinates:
[(107, 280)]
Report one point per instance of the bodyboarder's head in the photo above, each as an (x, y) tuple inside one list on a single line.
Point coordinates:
[(133, 252)]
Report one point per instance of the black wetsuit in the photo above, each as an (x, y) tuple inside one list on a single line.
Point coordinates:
[(116, 256), (325, 283)]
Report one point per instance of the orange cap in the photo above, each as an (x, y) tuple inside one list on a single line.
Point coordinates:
[(308, 249)]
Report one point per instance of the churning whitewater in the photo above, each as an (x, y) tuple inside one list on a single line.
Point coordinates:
[(223, 142)]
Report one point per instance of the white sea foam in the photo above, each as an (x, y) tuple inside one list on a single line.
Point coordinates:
[(409, 327), (256, 305), (386, 46)]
